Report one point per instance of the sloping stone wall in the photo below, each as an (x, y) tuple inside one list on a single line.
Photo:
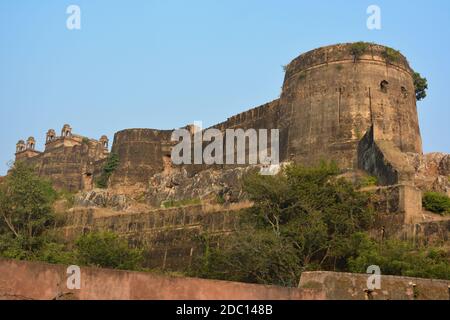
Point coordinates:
[(169, 234)]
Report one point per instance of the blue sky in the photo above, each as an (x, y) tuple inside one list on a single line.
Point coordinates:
[(163, 64)]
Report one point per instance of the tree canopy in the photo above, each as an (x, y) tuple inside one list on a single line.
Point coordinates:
[(307, 219)]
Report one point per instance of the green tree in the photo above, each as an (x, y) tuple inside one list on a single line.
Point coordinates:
[(357, 49), (436, 202), (303, 219), (25, 212), (421, 86), (105, 249), (111, 164), (402, 258)]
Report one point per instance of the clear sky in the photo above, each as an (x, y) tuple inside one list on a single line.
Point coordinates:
[(165, 63)]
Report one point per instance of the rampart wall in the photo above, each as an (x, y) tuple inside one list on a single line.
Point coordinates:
[(39, 281)]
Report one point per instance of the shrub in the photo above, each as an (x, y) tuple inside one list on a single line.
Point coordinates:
[(391, 55), (436, 202), (368, 181), (26, 209), (68, 196), (421, 86), (180, 203), (303, 219), (397, 257), (107, 250), (357, 49), (111, 164)]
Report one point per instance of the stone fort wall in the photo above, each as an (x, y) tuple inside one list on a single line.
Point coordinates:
[(330, 100), (71, 161)]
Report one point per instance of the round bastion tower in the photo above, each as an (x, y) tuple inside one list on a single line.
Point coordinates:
[(333, 95)]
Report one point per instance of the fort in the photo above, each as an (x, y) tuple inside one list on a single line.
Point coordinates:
[(357, 110)]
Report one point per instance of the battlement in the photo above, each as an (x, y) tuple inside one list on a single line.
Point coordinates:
[(247, 118), (345, 53)]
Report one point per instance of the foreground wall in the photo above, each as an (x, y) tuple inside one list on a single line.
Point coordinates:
[(351, 286), (38, 281)]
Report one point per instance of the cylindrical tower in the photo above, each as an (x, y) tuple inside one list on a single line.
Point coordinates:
[(140, 154), (333, 95)]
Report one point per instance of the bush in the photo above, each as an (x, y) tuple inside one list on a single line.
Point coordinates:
[(107, 250), (180, 203), (56, 253), (436, 202), (357, 49), (303, 219), (110, 166), (26, 212), (421, 86), (68, 196), (391, 55), (368, 181), (401, 258)]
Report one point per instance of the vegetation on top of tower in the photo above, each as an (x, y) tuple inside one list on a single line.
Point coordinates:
[(357, 49), (85, 141), (391, 55), (421, 86), (109, 167)]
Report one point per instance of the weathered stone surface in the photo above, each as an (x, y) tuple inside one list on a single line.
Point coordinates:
[(40, 281), (384, 160), (71, 161), (329, 101), (102, 198), (444, 166), (222, 185), (351, 286), (431, 171), (168, 234)]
